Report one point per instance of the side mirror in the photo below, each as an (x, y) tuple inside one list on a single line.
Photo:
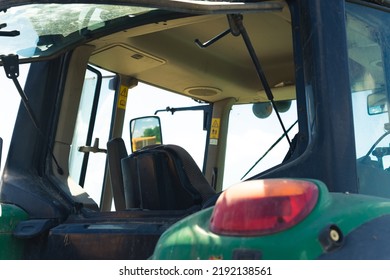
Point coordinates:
[(376, 103), (145, 131), (283, 105), (263, 110)]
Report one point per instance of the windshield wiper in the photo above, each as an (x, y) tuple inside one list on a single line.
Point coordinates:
[(11, 67), (269, 149), (237, 28), (12, 33)]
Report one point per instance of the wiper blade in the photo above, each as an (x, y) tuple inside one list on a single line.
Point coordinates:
[(12, 33), (269, 149)]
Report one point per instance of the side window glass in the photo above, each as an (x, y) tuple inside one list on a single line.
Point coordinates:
[(368, 53), (93, 122), (256, 143)]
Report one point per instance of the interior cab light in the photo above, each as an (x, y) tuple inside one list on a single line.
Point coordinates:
[(261, 207)]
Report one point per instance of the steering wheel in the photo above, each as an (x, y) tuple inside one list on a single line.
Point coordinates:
[(378, 152)]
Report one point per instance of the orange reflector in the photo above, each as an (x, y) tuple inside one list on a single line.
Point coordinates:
[(261, 207)]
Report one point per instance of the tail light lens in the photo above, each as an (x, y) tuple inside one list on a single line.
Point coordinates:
[(261, 207)]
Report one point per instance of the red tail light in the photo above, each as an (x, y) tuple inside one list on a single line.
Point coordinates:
[(261, 207)]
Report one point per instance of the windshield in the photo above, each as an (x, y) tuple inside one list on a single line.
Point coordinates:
[(40, 29), (369, 64)]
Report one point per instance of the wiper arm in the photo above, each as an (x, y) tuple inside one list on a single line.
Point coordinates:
[(11, 67), (237, 28)]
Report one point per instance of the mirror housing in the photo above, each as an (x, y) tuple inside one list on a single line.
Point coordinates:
[(377, 103), (262, 110), (283, 105), (145, 131)]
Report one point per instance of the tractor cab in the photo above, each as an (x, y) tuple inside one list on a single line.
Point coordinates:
[(194, 129)]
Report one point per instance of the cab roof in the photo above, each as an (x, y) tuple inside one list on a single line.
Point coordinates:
[(154, 42)]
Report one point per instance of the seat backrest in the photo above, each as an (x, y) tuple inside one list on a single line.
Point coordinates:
[(164, 177), (116, 151), (372, 178)]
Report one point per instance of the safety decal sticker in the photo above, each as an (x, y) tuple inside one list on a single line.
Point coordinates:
[(215, 125), (122, 98)]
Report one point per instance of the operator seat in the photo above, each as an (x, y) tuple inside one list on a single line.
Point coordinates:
[(161, 177), (372, 178), (164, 177)]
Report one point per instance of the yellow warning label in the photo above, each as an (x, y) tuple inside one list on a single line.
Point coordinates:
[(215, 125), (122, 99)]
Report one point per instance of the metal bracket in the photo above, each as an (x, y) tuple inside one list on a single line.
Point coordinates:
[(11, 65), (94, 149)]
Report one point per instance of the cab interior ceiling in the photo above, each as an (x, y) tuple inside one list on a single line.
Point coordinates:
[(164, 54)]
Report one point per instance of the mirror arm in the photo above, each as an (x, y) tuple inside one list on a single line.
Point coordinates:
[(207, 109), (191, 108), (168, 109)]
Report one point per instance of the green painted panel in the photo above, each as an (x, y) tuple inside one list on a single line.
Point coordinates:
[(192, 239), (10, 216)]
